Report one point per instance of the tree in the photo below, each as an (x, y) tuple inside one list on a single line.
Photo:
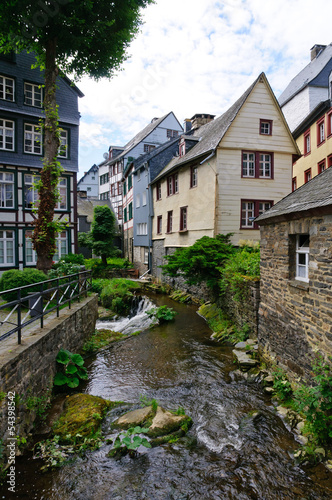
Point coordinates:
[(200, 262), (81, 37), (101, 237)]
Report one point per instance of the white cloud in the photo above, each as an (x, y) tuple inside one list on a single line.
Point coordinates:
[(196, 57)]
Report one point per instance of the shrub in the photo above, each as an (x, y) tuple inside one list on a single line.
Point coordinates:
[(243, 266), (117, 295), (14, 278), (63, 268), (98, 285), (74, 258), (98, 268), (281, 385)]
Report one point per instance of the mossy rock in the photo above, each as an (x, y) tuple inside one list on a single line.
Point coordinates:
[(209, 311), (82, 415)]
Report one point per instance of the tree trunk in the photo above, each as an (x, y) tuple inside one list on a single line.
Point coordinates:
[(45, 232)]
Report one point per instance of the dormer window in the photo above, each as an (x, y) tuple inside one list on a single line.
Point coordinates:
[(182, 148), (265, 127)]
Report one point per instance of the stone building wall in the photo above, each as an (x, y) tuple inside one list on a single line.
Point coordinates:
[(295, 317), (28, 369)]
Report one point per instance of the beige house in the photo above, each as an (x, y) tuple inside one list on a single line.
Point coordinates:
[(228, 171)]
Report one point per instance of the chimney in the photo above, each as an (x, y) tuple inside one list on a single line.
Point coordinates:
[(200, 119), (187, 125), (316, 50)]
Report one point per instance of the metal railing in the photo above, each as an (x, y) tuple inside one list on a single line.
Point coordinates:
[(33, 302)]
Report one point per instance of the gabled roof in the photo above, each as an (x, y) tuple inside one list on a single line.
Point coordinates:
[(315, 74), (313, 197), (141, 136), (94, 168), (213, 132)]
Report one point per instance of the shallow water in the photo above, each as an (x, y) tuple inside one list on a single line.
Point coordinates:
[(238, 448)]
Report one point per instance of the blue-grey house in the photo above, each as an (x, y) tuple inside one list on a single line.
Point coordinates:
[(21, 155), (145, 170)]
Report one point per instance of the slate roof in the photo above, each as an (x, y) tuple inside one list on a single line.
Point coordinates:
[(211, 133), (140, 136), (157, 155), (314, 74), (312, 196), (94, 168)]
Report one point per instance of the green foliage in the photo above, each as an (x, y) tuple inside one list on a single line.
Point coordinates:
[(63, 268), (117, 295), (199, 262), (103, 232), (162, 313), (128, 441), (74, 258), (14, 278), (2, 396), (100, 269), (222, 326), (315, 402), (98, 285), (100, 339), (39, 404), (72, 369), (242, 267), (145, 401), (281, 385)]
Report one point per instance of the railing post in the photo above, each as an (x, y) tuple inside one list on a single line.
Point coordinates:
[(19, 331), (69, 302), (57, 298), (78, 287), (42, 305)]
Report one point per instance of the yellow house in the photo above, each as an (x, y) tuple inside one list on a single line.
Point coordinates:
[(228, 171), (314, 139)]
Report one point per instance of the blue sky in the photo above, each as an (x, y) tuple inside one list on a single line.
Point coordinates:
[(198, 57)]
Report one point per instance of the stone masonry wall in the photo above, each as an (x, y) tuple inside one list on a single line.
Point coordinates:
[(29, 368), (295, 317)]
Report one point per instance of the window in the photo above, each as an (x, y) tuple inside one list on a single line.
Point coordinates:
[(119, 168), (307, 175), (307, 143), (130, 182), (120, 213), (63, 149), (30, 253), (7, 88), (144, 199), (7, 135), (182, 148), (142, 228), (172, 184), (183, 219), (265, 127), (104, 196), (321, 131), (119, 188), (294, 183), (193, 177), (62, 187), (125, 217), (138, 200), (257, 165), (329, 161), (250, 209), (125, 187), (30, 191), (159, 224), (32, 139), (321, 166), (329, 123), (148, 148), (172, 133), (138, 175), (146, 255), (170, 221), (88, 189), (7, 190), (32, 95), (103, 179), (7, 245), (113, 190), (302, 257), (130, 211), (61, 246), (158, 191)]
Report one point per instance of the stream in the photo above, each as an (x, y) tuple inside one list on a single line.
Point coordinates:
[(237, 448)]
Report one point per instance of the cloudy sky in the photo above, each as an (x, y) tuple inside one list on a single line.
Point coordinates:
[(198, 57)]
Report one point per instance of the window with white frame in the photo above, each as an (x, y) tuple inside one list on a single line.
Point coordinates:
[(7, 246), (62, 187), (146, 255), (7, 129), (183, 218), (257, 165), (61, 246), (265, 127), (142, 228), (63, 148), (138, 200), (143, 198), (302, 257), (30, 191), (33, 95), (7, 88), (250, 209), (7, 185), (30, 253), (193, 177), (32, 139)]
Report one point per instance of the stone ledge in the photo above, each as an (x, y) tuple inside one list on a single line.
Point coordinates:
[(301, 285)]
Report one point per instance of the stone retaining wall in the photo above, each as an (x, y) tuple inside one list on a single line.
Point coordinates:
[(29, 368)]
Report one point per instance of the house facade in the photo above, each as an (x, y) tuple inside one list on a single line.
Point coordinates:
[(89, 182), (239, 166), (296, 277), (21, 154)]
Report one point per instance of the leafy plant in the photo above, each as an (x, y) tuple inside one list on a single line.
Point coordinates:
[(39, 404), (281, 385), (162, 313), (73, 369), (15, 278), (117, 295), (243, 266), (98, 285), (315, 402), (63, 268), (145, 401), (198, 263), (129, 441)]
